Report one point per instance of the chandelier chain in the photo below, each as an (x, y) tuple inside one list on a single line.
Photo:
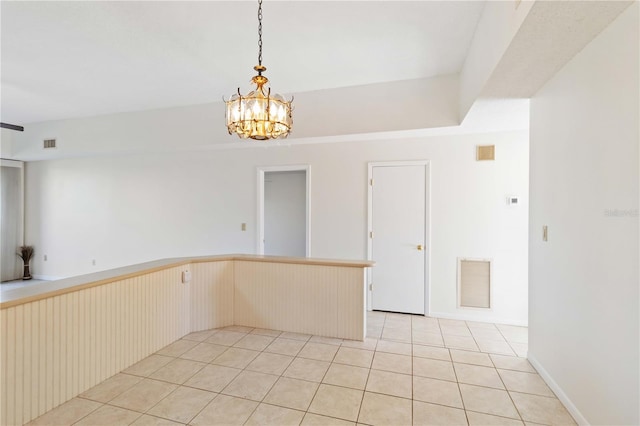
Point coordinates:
[(259, 32)]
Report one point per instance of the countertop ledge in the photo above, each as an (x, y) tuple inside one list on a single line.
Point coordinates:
[(47, 289)]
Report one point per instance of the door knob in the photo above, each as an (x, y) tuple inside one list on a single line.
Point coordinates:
[(419, 247)]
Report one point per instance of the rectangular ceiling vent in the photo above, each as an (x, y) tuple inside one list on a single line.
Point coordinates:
[(474, 283), (485, 153), (49, 143)]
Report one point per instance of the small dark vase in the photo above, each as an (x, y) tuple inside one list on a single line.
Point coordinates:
[(26, 275)]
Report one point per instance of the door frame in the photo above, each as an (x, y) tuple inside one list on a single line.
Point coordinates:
[(427, 225), (261, 170), (21, 210)]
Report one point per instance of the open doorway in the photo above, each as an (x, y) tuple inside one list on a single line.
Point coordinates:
[(11, 217), (283, 211)]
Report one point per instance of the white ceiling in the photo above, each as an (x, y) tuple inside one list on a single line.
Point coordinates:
[(74, 59)]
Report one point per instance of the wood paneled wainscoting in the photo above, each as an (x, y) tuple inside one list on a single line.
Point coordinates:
[(60, 338)]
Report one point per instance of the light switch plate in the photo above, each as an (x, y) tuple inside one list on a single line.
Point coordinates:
[(186, 276)]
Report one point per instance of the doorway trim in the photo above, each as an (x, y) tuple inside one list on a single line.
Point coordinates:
[(21, 210), (427, 225), (260, 214)]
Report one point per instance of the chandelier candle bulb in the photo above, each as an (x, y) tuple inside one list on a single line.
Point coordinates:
[(259, 115)]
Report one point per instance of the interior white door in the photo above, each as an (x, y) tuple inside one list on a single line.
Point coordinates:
[(398, 202)]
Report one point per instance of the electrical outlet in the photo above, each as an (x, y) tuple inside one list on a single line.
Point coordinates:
[(93, 262), (243, 226), (45, 257)]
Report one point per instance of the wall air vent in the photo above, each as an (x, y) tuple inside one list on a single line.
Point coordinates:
[(49, 143), (474, 283), (485, 152)]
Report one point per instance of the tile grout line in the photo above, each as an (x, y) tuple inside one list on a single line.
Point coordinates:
[(369, 373), (251, 332), (281, 376), (412, 375), (83, 417), (455, 373), (273, 338), (245, 369), (508, 393)]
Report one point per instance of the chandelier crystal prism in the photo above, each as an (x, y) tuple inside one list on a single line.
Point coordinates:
[(259, 115)]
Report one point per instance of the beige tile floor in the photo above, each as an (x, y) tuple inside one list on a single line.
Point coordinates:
[(409, 370)]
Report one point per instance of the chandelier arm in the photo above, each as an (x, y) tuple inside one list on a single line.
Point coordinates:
[(269, 104)]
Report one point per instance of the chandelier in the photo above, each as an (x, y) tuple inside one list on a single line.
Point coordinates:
[(259, 115)]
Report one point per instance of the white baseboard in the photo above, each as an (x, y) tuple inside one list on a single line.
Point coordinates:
[(573, 410), (465, 317), (46, 277)]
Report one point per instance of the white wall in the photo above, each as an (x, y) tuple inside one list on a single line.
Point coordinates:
[(426, 103), (285, 213), (6, 143), (128, 209), (583, 323)]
